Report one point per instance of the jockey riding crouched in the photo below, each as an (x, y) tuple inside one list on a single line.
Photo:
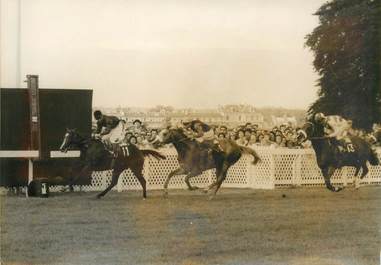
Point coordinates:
[(111, 131), (338, 128), (204, 134)]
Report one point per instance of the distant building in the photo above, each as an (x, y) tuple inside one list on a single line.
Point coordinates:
[(277, 121), (230, 115)]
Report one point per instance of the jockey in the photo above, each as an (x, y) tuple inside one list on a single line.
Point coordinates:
[(335, 127), (111, 131), (113, 128), (204, 134)]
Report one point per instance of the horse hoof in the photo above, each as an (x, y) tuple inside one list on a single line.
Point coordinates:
[(98, 197), (165, 194), (205, 191), (193, 188), (357, 185), (211, 197), (337, 189)]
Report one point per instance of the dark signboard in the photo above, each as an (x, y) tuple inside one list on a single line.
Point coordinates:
[(58, 109)]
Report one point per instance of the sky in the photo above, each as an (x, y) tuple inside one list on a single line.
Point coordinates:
[(183, 53)]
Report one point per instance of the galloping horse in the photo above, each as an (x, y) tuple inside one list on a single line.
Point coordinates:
[(194, 159), (95, 157), (329, 157)]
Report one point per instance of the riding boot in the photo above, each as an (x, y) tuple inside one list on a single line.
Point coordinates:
[(114, 154), (216, 148), (112, 164), (347, 143)]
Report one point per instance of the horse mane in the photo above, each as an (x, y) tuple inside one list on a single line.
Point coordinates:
[(181, 132), (318, 129), (84, 141), (191, 124), (185, 140)]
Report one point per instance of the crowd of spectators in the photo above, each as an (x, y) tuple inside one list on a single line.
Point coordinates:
[(251, 134), (283, 136)]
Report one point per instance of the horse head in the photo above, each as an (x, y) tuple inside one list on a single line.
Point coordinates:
[(310, 130), (172, 135), (71, 139)]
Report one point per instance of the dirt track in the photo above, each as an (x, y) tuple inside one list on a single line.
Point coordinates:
[(308, 226)]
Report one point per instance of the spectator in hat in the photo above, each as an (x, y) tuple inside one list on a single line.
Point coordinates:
[(221, 136), (278, 140), (248, 135), (253, 139), (223, 129), (260, 137), (290, 144), (266, 139), (127, 137), (141, 141), (232, 136), (133, 140), (241, 140), (137, 127), (154, 140), (272, 136)]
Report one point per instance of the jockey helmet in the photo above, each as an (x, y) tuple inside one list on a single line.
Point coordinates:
[(97, 114), (319, 117)]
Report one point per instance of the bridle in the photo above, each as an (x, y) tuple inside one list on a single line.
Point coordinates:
[(313, 130), (183, 139)]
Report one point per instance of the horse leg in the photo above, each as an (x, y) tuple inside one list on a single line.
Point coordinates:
[(220, 179), (219, 167), (115, 176), (365, 171), (327, 173), (139, 175), (70, 185), (355, 178), (187, 178), (178, 171)]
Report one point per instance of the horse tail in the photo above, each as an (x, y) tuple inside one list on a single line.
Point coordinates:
[(373, 159), (250, 151), (155, 154)]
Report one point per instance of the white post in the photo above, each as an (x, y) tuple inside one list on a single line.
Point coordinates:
[(30, 175), (30, 170), (296, 172), (272, 169), (344, 176)]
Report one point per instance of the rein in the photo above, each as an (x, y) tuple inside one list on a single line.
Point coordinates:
[(319, 138)]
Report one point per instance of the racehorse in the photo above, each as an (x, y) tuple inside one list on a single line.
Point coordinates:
[(195, 159), (329, 157), (95, 157)]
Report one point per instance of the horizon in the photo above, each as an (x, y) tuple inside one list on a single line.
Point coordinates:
[(197, 54), (196, 108)]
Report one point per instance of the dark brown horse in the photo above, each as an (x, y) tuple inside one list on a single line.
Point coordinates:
[(95, 157), (195, 159), (329, 157)]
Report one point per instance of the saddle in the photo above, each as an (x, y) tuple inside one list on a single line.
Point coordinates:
[(344, 145), (210, 147), (116, 149)]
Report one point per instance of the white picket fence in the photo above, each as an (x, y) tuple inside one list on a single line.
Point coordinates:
[(280, 167)]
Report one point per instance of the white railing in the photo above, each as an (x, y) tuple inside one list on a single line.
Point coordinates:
[(280, 167)]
